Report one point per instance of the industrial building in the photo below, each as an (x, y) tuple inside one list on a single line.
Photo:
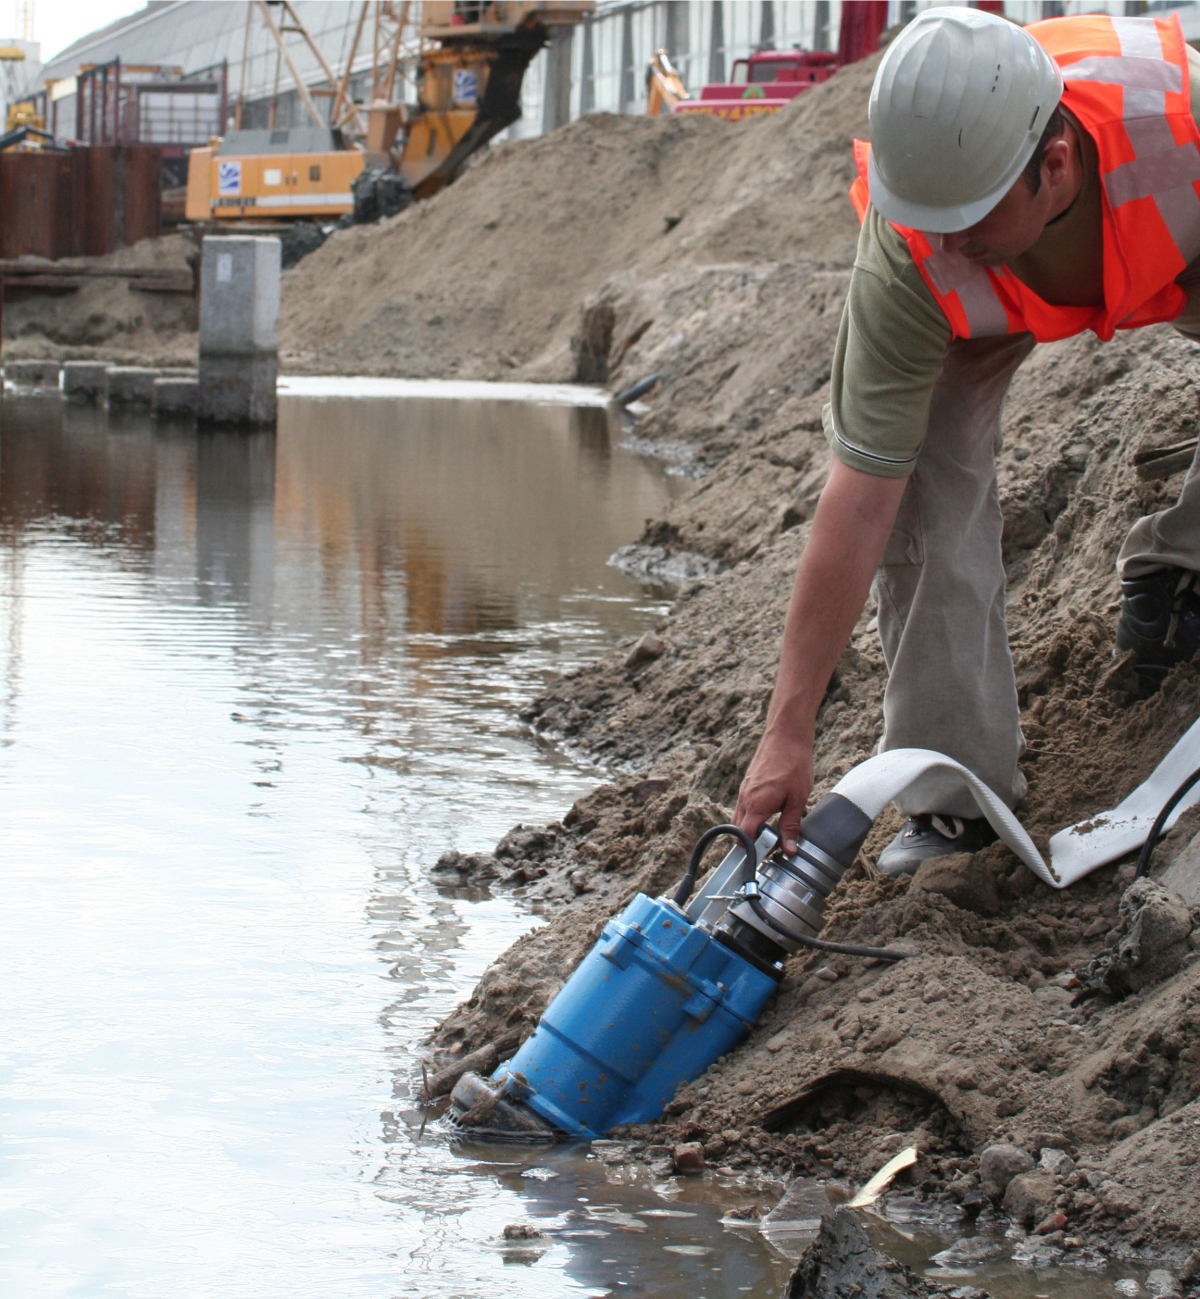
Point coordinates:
[(599, 67)]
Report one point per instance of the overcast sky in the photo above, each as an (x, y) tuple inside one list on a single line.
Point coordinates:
[(58, 23)]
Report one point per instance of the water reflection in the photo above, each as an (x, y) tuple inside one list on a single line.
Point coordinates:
[(232, 491), (250, 687)]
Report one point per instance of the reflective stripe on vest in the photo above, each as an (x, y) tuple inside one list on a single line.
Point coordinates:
[(1126, 81)]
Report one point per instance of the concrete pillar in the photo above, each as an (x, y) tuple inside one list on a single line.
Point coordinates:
[(716, 43), (677, 30), (175, 395), (32, 374), (628, 88), (131, 385), (821, 25), (587, 76), (239, 316), (766, 27), (556, 99), (85, 379)]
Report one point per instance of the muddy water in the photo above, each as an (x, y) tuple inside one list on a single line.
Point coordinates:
[(250, 688), (1007, 1271)]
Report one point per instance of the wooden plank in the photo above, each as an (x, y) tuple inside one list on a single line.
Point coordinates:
[(45, 282), (64, 266), (1154, 463), (168, 282)]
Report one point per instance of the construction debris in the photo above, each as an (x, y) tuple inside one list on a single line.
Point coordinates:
[(883, 1179)]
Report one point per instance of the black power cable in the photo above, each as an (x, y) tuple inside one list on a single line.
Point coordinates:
[(688, 883), (844, 949), (1159, 821)]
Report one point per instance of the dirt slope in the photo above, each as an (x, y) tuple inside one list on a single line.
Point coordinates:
[(106, 319), (986, 1035)]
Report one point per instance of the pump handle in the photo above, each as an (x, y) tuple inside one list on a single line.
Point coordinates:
[(688, 883)]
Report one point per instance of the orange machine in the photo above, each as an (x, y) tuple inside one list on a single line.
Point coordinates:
[(473, 60), (301, 171), (664, 85)]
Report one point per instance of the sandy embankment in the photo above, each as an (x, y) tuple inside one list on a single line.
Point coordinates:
[(107, 319)]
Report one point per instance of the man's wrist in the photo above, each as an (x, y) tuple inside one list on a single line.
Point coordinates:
[(795, 723)]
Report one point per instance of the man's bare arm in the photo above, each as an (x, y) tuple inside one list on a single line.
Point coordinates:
[(853, 522)]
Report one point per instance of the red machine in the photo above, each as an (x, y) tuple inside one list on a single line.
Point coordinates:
[(769, 79), (763, 83)]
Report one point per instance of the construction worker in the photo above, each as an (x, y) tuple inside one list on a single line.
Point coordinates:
[(1022, 185)]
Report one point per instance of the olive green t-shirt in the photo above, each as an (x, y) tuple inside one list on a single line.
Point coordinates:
[(893, 336)]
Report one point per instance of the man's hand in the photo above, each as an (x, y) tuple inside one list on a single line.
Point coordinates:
[(853, 522), (780, 777)]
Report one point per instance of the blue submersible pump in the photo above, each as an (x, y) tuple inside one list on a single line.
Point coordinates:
[(672, 984)]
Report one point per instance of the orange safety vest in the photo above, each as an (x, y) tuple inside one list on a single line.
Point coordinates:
[(1126, 82)]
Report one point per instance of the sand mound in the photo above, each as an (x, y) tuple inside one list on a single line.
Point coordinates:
[(486, 280)]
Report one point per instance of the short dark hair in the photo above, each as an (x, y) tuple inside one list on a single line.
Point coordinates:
[(1033, 168)]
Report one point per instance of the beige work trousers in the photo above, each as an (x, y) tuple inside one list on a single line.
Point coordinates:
[(1171, 536), (941, 590), (941, 586)]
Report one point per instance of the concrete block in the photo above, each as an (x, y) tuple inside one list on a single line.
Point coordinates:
[(239, 295), (32, 374), (237, 389), (85, 379), (131, 385), (176, 395)]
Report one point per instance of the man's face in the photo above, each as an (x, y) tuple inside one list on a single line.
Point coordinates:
[(1015, 224)]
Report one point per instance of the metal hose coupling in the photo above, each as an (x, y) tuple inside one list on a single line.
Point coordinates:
[(784, 908)]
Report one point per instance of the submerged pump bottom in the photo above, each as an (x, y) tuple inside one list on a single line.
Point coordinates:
[(671, 985)]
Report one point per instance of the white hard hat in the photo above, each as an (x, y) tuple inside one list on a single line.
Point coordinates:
[(959, 103)]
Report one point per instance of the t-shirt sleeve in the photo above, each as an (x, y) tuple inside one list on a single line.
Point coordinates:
[(890, 348)]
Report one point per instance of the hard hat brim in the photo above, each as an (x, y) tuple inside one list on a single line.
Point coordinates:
[(940, 220)]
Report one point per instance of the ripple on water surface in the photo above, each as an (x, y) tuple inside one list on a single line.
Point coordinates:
[(251, 686)]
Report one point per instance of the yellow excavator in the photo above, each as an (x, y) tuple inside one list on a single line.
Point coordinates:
[(470, 60)]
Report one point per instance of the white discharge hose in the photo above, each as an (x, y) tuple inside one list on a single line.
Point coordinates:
[(873, 784)]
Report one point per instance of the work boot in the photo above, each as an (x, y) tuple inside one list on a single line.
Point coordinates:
[(1160, 622), (933, 835)]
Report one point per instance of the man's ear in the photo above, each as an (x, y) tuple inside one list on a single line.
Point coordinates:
[(1056, 161)]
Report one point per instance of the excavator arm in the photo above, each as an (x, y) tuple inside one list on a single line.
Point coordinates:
[(484, 49), (498, 108), (664, 85)]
